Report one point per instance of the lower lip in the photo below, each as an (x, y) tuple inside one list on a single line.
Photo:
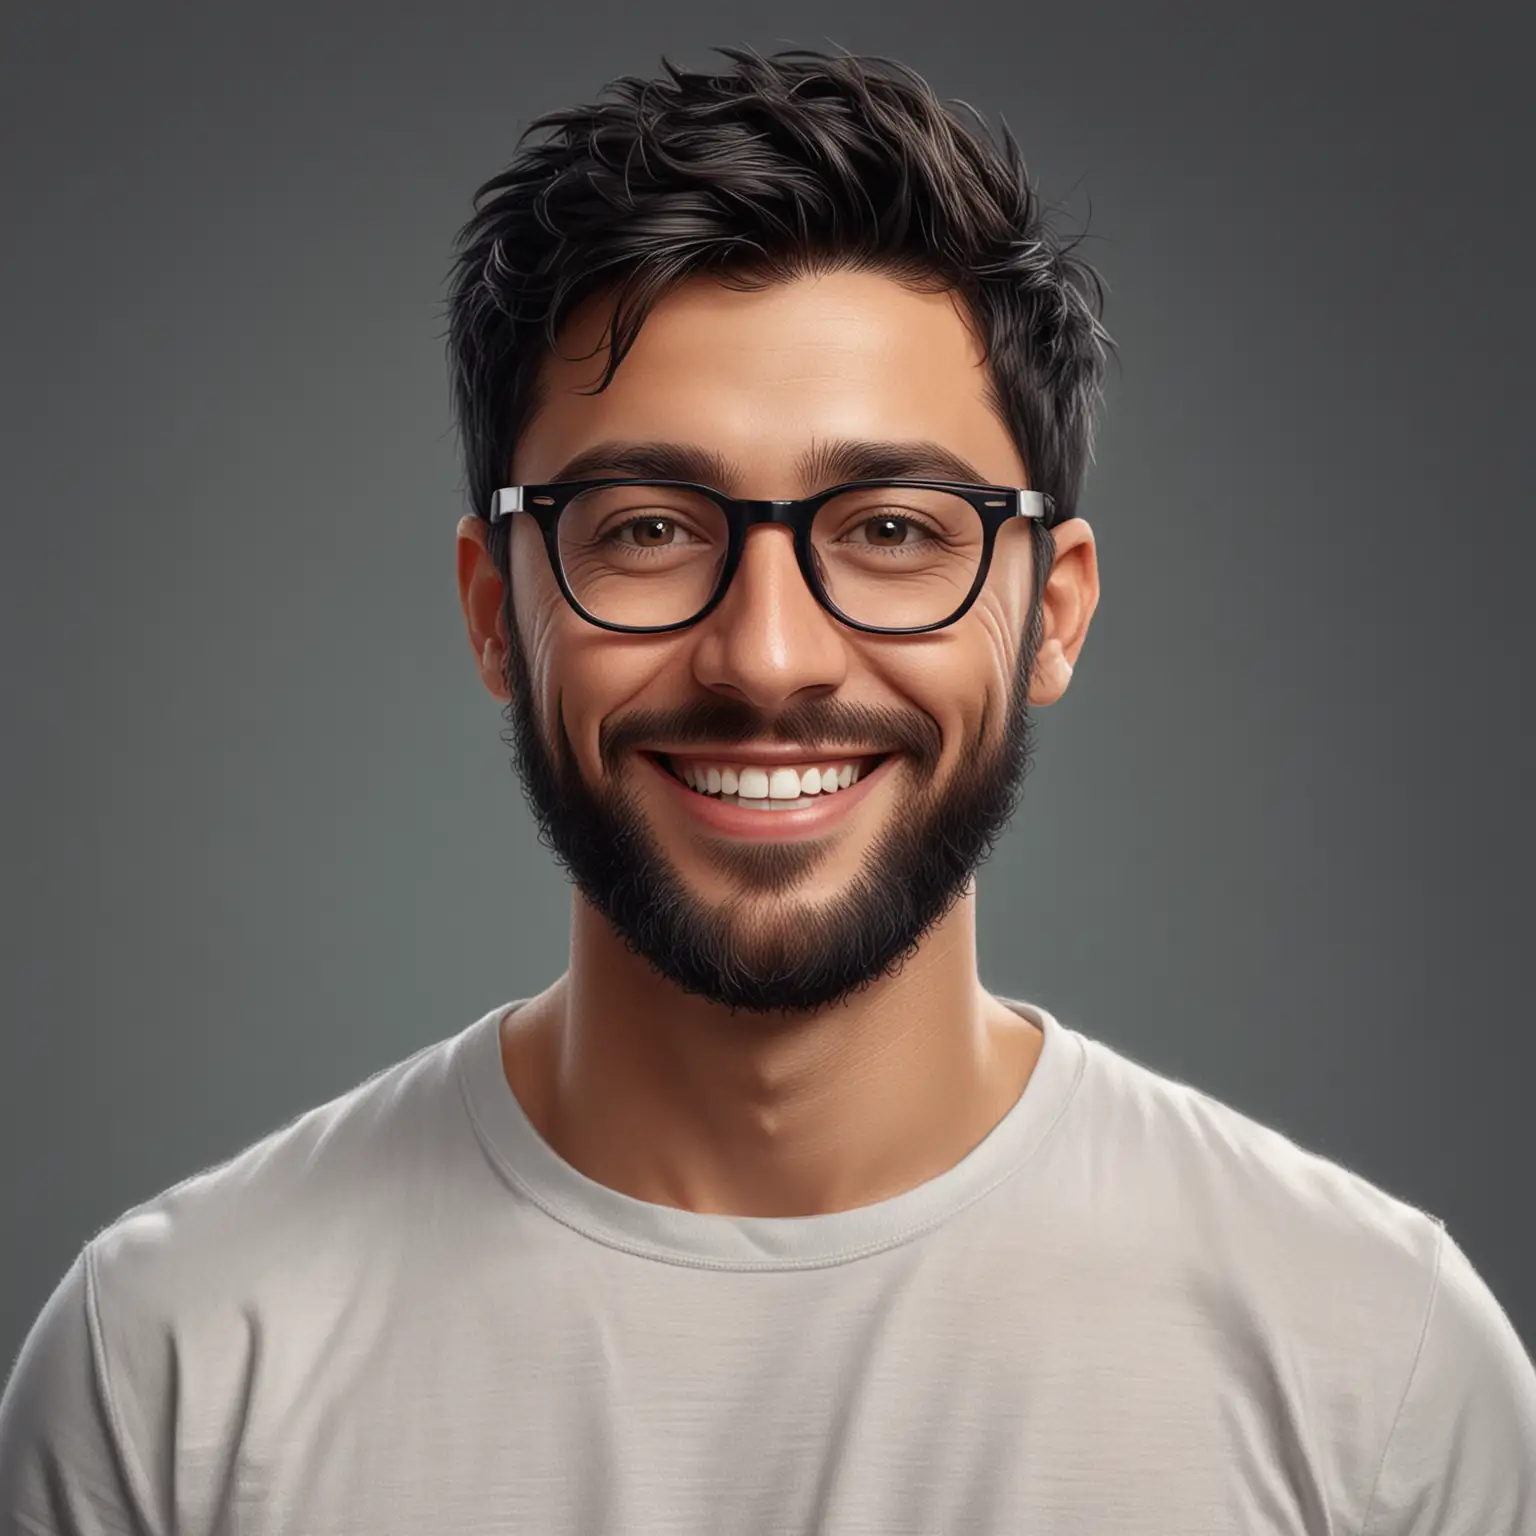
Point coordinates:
[(772, 826)]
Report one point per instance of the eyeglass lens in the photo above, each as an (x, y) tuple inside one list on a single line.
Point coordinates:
[(889, 556)]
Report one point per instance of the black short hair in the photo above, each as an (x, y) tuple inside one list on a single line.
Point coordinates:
[(778, 166)]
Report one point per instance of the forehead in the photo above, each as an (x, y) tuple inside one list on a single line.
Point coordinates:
[(761, 377)]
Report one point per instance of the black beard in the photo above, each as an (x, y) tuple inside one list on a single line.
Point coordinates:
[(800, 957)]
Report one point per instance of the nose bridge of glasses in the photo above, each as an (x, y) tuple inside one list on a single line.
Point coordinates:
[(750, 571), (773, 629), (778, 513), (781, 511)]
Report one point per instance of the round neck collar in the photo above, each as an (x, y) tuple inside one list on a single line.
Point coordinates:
[(714, 1241)]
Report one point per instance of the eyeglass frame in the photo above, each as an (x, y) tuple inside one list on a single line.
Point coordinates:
[(994, 504)]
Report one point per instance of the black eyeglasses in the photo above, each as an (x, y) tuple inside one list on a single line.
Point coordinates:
[(889, 557)]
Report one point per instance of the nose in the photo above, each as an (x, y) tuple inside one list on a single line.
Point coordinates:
[(770, 640)]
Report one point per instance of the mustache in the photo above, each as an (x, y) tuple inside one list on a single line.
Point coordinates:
[(811, 723)]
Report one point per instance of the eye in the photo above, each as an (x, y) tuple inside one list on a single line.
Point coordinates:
[(652, 531), (888, 530)]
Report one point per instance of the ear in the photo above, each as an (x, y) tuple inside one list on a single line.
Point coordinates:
[(1071, 594), (481, 594)]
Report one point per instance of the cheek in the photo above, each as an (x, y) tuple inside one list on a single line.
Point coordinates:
[(960, 678), (532, 581), (983, 674), (997, 640), (540, 614), (580, 675), (589, 680), (996, 625), (1010, 583)]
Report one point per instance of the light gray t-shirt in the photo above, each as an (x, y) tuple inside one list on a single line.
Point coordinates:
[(1129, 1309)]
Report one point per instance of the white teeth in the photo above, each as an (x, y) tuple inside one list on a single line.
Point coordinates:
[(784, 784), (763, 788)]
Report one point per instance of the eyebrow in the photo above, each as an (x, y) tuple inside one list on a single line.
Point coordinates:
[(821, 466)]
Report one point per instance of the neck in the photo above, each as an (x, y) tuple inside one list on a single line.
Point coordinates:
[(671, 1099)]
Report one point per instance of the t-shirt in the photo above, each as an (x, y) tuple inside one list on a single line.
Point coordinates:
[(1129, 1309)]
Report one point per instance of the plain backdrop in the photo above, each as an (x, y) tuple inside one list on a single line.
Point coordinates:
[(261, 834)]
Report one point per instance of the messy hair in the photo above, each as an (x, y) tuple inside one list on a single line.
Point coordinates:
[(779, 166)]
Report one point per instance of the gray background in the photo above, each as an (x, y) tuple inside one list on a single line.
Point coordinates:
[(261, 837)]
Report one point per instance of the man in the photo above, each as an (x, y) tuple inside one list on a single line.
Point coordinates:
[(766, 1216)]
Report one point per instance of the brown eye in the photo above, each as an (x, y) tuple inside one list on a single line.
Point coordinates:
[(886, 530), (653, 532)]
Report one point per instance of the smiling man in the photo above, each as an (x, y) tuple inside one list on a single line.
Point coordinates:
[(766, 1216), (773, 783)]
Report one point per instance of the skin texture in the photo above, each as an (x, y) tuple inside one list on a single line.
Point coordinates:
[(667, 1096)]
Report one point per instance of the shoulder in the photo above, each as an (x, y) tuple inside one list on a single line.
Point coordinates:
[(329, 1174), (1357, 1323), (1251, 1197), (1461, 1454), (290, 1239), (161, 1331)]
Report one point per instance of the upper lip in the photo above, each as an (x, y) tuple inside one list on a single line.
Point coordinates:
[(768, 756)]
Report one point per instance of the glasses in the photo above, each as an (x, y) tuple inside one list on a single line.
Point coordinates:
[(890, 557)]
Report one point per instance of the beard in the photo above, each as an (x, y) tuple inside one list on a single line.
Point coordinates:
[(746, 953)]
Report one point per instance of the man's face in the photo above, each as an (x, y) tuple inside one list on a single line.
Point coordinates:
[(772, 910)]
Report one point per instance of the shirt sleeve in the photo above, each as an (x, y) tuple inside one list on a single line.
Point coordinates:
[(1461, 1456), (62, 1466)]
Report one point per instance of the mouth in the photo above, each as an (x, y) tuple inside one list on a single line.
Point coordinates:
[(758, 799), (769, 787)]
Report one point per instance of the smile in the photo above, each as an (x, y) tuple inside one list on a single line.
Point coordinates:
[(788, 787), (785, 791)]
